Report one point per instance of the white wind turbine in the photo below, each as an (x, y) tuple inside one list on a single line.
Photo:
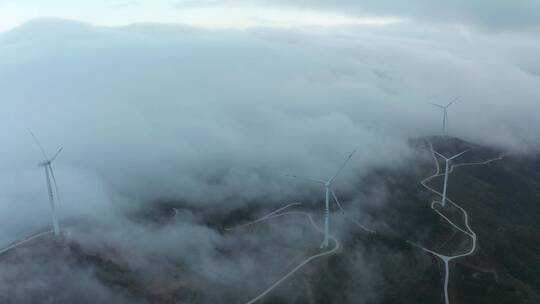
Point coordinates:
[(328, 189), (445, 113), (49, 174), (447, 160)]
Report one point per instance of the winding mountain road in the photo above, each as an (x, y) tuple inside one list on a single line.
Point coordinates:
[(467, 230), (24, 241), (275, 214)]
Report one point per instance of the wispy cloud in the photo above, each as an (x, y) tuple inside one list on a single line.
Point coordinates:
[(125, 4)]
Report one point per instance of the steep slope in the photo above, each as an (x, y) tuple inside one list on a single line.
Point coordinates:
[(501, 199), (500, 195)]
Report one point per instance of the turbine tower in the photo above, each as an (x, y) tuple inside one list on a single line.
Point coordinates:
[(447, 160), (445, 113), (49, 175), (328, 190)]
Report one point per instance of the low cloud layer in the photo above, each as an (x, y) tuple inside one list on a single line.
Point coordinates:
[(215, 119), (485, 14), (148, 112)]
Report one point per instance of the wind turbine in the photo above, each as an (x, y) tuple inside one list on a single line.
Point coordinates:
[(49, 175), (445, 113), (328, 190), (443, 202)]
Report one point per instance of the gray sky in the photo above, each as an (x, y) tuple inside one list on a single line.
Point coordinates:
[(484, 14), (207, 14)]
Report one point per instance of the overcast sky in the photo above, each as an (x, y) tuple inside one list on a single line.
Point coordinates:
[(208, 14), (485, 14)]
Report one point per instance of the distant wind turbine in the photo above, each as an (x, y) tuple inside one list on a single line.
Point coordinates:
[(445, 113), (49, 174), (447, 160), (328, 190)]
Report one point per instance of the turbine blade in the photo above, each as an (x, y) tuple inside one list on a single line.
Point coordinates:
[(437, 105), (55, 185), (343, 165), (440, 154), (306, 179), (39, 145), (337, 201), (55, 155), (459, 154), (452, 102)]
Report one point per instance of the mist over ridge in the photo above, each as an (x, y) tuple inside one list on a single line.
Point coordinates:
[(178, 138), (155, 111)]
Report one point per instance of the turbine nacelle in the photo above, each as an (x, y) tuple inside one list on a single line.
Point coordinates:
[(54, 195), (328, 191), (446, 171), (452, 157), (445, 112), (446, 106)]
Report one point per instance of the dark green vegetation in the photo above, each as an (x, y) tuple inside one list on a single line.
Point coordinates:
[(502, 198), (503, 202)]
